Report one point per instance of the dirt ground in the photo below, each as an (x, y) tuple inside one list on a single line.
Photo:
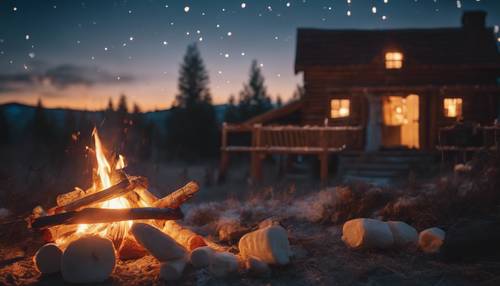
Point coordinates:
[(320, 258), (319, 255)]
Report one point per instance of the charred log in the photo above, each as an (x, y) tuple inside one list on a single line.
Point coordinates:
[(177, 198), (98, 215)]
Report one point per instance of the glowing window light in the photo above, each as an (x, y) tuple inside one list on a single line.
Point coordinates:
[(339, 108), (393, 60), (452, 107)]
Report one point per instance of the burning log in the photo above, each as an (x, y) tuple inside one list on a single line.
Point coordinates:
[(100, 215), (145, 195), (177, 198), (112, 192), (131, 249), (184, 236), (72, 196)]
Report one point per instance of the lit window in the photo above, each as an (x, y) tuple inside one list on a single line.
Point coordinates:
[(453, 107), (339, 108), (393, 60)]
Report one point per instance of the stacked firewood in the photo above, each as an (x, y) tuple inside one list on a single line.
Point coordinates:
[(91, 258)]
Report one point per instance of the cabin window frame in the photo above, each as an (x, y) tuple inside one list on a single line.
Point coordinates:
[(456, 101), (341, 102), (394, 60)]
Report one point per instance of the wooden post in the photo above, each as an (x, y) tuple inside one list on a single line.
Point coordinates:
[(323, 157), (224, 155), (256, 166)]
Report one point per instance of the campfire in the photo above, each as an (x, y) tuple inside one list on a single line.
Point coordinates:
[(110, 206), (119, 216)]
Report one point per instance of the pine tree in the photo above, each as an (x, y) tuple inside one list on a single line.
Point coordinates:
[(254, 99), (122, 108), (42, 131), (231, 114), (192, 124), (110, 107), (193, 80), (279, 101)]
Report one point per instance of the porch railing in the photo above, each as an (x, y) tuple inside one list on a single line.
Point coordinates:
[(305, 140), (463, 140)]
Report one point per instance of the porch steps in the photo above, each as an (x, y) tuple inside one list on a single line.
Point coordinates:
[(383, 167)]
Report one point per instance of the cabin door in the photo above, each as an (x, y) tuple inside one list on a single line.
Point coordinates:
[(400, 126)]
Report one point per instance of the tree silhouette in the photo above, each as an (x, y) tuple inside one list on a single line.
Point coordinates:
[(193, 80), (231, 115), (279, 101), (110, 107), (254, 99), (192, 125), (122, 108), (43, 134), (4, 128)]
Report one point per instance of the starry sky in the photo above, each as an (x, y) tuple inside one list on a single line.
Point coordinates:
[(78, 54)]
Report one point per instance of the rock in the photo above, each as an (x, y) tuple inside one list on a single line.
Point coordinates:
[(269, 244), (431, 239), (160, 245), (257, 267), (89, 259), (231, 231), (200, 257), (131, 249), (223, 264), (367, 233), (172, 270), (404, 234), (48, 259), (472, 240)]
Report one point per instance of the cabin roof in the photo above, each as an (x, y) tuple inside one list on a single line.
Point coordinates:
[(276, 113), (439, 46)]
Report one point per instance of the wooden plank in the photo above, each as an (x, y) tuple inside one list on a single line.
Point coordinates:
[(114, 191), (177, 198), (101, 215)]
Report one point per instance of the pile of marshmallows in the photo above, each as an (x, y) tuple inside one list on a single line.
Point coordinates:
[(371, 233), (92, 259)]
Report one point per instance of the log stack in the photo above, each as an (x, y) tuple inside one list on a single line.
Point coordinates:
[(155, 231)]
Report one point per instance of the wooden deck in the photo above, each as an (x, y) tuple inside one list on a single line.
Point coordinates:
[(452, 140), (301, 140)]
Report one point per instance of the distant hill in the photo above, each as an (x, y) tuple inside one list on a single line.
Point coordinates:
[(19, 115)]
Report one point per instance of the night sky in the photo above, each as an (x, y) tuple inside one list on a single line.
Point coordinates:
[(79, 53)]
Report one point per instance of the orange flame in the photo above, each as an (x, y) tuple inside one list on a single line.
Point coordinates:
[(121, 163), (118, 229)]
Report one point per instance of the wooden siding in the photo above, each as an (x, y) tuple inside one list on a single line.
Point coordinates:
[(480, 99)]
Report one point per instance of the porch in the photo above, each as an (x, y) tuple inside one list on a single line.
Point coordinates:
[(320, 141)]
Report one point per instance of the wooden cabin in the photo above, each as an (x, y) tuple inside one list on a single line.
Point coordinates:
[(379, 89)]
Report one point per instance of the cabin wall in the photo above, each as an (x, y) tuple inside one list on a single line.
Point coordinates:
[(322, 85), (376, 75)]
